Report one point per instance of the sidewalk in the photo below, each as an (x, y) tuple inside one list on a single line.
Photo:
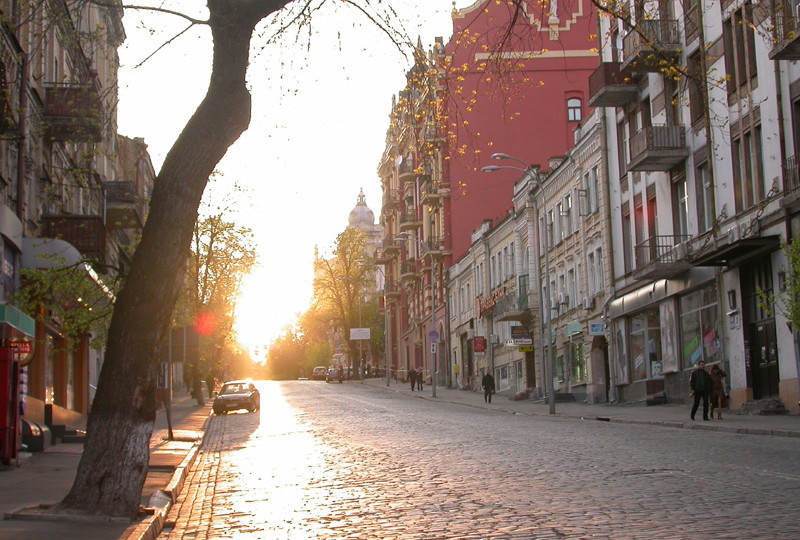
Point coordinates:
[(44, 478), (669, 415)]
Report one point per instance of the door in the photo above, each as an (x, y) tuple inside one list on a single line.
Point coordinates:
[(761, 341)]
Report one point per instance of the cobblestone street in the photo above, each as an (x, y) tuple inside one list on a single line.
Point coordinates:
[(354, 461)]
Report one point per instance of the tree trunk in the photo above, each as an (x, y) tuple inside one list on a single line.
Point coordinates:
[(114, 465)]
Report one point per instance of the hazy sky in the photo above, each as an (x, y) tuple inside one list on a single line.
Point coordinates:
[(320, 114)]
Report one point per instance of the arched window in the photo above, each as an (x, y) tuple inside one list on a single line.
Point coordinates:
[(574, 110)]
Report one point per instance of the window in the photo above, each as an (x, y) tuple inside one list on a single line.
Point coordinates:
[(492, 272), (703, 189), (568, 215), (700, 327), (574, 110), (577, 362), (600, 281), (680, 205), (590, 266), (550, 232), (748, 180), (627, 245), (695, 84), (645, 341), (559, 221), (571, 287), (623, 152), (740, 49), (461, 299)]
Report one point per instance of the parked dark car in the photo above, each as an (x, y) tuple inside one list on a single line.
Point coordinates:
[(334, 375), (235, 395)]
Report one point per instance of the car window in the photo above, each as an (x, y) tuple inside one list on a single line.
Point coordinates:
[(233, 389)]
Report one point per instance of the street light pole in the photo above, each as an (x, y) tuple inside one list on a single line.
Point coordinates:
[(533, 173)]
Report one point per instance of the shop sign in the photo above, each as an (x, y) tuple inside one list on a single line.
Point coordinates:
[(520, 336), (526, 348), (597, 328), (479, 344), (488, 303), (24, 350)]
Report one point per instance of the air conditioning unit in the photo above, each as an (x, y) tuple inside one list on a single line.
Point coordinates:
[(494, 339), (563, 298), (470, 333), (554, 306), (588, 302)]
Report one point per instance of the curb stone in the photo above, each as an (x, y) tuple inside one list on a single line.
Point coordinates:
[(150, 527)]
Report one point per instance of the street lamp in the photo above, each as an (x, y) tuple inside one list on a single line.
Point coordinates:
[(402, 237), (387, 349), (532, 171)]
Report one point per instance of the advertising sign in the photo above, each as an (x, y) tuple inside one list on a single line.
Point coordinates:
[(597, 328), (520, 336), (479, 344), (359, 334)]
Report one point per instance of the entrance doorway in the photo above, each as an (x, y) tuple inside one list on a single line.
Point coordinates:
[(761, 343)]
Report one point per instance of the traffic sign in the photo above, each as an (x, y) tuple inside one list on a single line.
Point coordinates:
[(433, 336)]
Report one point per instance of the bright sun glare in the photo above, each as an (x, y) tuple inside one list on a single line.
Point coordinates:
[(267, 305)]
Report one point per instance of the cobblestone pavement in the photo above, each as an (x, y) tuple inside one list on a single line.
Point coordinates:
[(352, 461)]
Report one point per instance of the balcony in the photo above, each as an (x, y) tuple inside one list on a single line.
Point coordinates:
[(73, 112), (658, 148), (391, 199), (408, 269), (390, 246), (409, 219), (381, 257), (405, 170), (86, 233), (652, 46), (787, 33), (609, 86), (430, 192), (391, 290), (662, 257), (435, 246), (125, 208)]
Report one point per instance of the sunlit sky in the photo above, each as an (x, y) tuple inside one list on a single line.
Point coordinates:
[(320, 114)]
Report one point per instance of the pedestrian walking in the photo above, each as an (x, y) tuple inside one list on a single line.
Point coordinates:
[(700, 385), (488, 387), (419, 379), (717, 390), (412, 377)]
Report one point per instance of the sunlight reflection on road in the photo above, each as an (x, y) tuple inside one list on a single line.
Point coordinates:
[(280, 481)]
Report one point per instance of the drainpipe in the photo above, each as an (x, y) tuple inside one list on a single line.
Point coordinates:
[(21, 146)]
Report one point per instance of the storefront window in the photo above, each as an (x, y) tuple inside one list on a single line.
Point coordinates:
[(700, 327), (578, 363), (646, 346)]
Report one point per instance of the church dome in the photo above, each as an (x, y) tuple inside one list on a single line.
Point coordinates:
[(361, 216)]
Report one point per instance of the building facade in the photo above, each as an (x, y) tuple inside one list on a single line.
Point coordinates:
[(74, 193), (699, 104)]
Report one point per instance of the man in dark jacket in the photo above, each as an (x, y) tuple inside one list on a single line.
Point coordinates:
[(488, 387), (700, 384), (412, 378)]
